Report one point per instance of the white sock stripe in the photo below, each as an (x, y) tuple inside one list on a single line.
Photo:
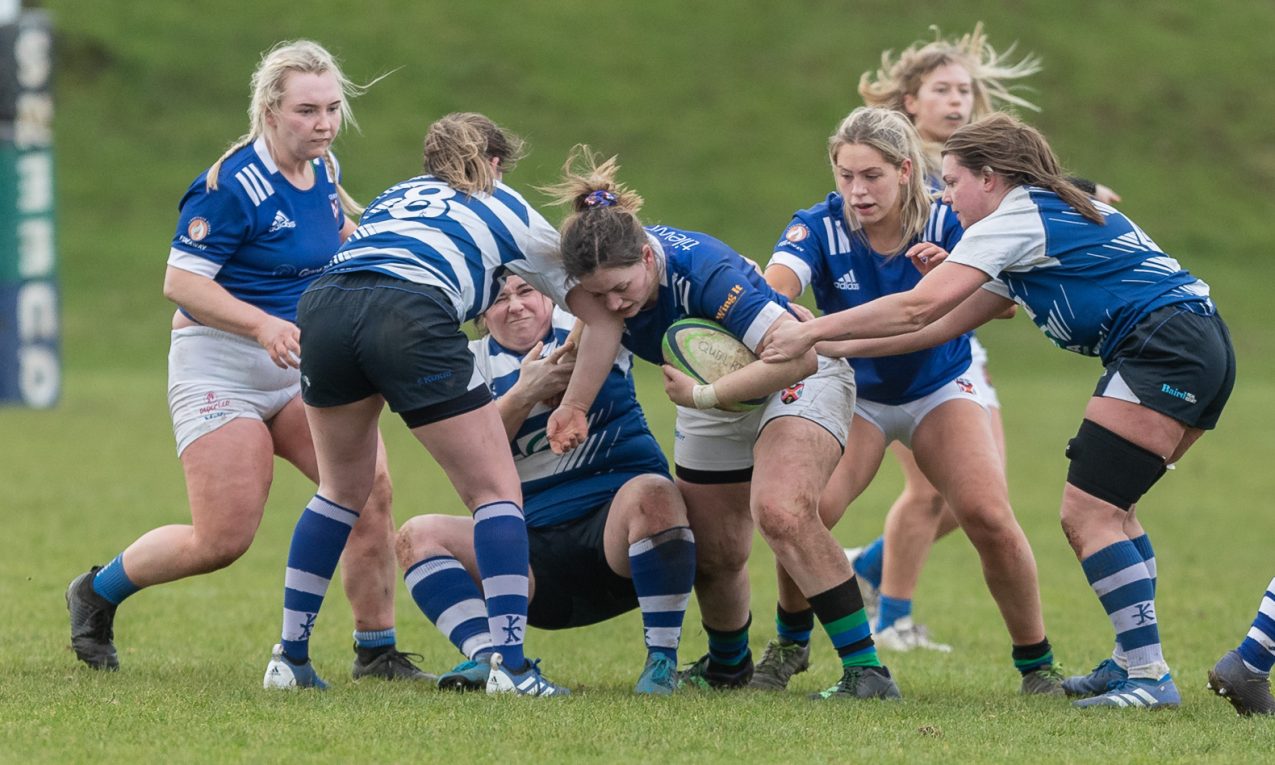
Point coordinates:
[(321, 506), (508, 584), (663, 637), (415, 575), (304, 581), (460, 613), (657, 603), (1120, 578), (497, 510), (646, 544), (475, 644), (1147, 662), (1267, 607), (294, 624), (1150, 564), (1134, 616), (1266, 641)]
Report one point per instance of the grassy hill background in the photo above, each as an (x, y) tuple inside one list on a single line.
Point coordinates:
[(719, 111)]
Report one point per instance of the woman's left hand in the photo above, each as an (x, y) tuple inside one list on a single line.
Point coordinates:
[(925, 256), (788, 340), (678, 386)]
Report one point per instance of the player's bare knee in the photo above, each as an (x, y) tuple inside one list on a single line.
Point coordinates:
[(419, 538), (658, 504), (221, 551)]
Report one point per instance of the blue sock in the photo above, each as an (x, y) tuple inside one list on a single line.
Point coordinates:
[(663, 569), (728, 648), (1143, 545), (317, 543), (500, 546), (892, 610), (112, 583), (375, 638), (868, 565), (1120, 578), (794, 626), (1258, 648), (443, 590)]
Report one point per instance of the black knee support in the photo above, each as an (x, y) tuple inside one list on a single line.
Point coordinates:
[(1111, 467)]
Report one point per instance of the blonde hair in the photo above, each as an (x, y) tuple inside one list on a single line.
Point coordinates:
[(1018, 152), (990, 74), (268, 84), (896, 140), (460, 146), (603, 230)]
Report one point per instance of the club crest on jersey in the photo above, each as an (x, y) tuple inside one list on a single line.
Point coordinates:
[(965, 385), (336, 206), (796, 232), (790, 394), (198, 228)]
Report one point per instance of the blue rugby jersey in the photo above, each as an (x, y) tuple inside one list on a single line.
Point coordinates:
[(559, 488), (257, 235), (424, 231), (702, 278), (1084, 285), (845, 271)]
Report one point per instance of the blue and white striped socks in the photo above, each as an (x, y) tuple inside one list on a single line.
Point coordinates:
[(500, 547), (1120, 577), (663, 569), (442, 589), (1143, 546), (317, 543), (1258, 648)]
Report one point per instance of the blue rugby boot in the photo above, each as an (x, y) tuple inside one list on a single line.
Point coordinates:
[(659, 676), (282, 673), (1097, 681), (470, 675), (526, 682), (1138, 693), (1248, 691)]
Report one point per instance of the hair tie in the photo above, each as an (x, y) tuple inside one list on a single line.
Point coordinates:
[(600, 198)]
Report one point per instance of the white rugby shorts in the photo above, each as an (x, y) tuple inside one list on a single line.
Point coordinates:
[(978, 373), (714, 440), (216, 376), (899, 421)]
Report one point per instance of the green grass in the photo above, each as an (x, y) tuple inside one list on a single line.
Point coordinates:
[(720, 113)]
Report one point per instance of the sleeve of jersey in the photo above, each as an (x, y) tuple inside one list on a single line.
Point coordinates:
[(1000, 241), (211, 227), (801, 251), (725, 295), (543, 266)]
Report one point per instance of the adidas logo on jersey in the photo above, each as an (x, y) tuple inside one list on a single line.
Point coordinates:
[(281, 221), (847, 282)]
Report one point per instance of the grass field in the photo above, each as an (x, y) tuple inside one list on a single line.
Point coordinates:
[(720, 112)]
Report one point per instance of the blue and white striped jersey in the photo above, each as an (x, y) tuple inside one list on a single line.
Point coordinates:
[(1085, 285), (424, 231), (703, 278), (257, 236), (845, 271), (559, 488)]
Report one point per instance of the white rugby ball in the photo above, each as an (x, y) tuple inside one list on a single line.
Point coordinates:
[(706, 352)]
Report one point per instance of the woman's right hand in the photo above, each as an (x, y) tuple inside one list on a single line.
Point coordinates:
[(282, 340), (542, 379)]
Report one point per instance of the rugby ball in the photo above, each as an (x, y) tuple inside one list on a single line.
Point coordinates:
[(706, 352)]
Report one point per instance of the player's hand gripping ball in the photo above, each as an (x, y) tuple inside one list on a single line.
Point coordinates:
[(706, 352)]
